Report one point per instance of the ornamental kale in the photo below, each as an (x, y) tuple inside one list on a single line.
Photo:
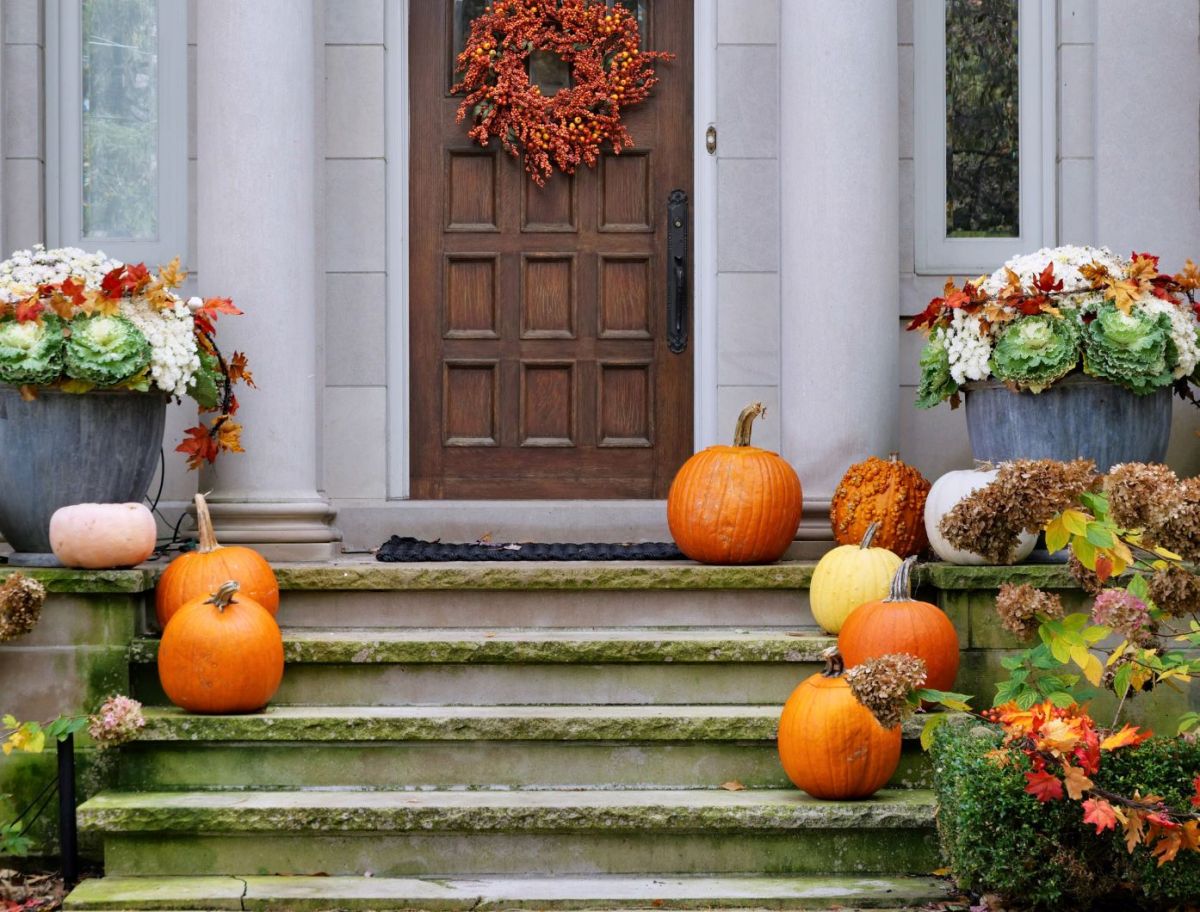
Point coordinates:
[(1132, 349), (106, 350), (1037, 350), (936, 384), (31, 352)]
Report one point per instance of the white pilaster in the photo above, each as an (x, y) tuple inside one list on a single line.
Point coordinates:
[(839, 176), (257, 156)]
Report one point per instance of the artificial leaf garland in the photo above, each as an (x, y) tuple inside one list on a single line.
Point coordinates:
[(601, 48)]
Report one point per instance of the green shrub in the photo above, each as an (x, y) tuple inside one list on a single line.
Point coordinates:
[(998, 839)]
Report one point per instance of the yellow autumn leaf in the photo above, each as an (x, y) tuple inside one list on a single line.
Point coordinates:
[(1075, 521), (1057, 535)]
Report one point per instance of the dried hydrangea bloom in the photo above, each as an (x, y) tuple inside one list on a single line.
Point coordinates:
[(1180, 530), (1024, 496), (1140, 495), (882, 685), (1089, 581), (1124, 613), (116, 722), (1175, 591), (1019, 607), (21, 600)]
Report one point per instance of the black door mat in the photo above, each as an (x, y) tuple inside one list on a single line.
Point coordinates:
[(413, 550)]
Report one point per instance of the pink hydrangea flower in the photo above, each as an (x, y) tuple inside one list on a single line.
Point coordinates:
[(119, 720)]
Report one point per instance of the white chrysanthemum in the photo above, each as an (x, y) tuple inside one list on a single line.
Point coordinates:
[(173, 357), (25, 270), (1067, 260), (968, 348), (1183, 331)]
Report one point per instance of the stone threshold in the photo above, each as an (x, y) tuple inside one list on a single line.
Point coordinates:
[(366, 574), (491, 894)]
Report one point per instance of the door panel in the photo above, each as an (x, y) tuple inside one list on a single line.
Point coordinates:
[(538, 315)]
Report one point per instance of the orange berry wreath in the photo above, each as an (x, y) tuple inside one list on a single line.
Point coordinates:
[(601, 47)]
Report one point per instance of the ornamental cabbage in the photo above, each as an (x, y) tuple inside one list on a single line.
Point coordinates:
[(936, 383), (1133, 350), (105, 350), (31, 352), (1034, 351)]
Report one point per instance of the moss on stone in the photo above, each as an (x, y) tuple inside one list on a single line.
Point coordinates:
[(87, 581), (952, 576)]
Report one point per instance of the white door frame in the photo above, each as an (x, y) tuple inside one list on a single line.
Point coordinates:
[(704, 240)]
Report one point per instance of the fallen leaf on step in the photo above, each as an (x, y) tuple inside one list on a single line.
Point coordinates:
[(733, 786), (940, 872)]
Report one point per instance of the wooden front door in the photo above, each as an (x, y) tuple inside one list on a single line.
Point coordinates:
[(540, 365)]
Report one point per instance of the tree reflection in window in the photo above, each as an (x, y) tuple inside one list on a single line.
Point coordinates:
[(982, 132)]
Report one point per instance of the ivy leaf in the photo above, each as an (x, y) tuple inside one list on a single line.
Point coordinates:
[(1043, 786), (1100, 814)]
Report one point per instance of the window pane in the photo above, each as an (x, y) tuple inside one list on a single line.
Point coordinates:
[(120, 119), (982, 161)]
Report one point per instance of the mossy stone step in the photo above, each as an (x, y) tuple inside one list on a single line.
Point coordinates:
[(442, 646), (378, 894), (444, 747), (458, 833), (374, 667)]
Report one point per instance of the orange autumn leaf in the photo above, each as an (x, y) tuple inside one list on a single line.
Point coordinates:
[(29, 309), (238, 370), (171, 275), (1128, 736), (1075, 781), (1167, 845), (1189, 279), (229, 435), (198, 445), (1100, 814)]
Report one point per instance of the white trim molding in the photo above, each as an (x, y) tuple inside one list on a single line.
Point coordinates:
[(937, 254), (704, 232), (64, 135)]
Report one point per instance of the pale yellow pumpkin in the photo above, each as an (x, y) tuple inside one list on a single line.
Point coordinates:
[(849, 576), (102, 536)]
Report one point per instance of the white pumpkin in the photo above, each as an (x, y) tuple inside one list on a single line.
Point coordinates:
[(946, 492), (102, 536)]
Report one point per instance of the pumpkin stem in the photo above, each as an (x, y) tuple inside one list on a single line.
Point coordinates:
[(745, 423), (224, 596), (834, 663), (902, 582), (869, 536), (204, 525)]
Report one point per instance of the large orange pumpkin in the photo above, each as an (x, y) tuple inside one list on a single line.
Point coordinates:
[(199, 573), (883, 491), (221, 654), (735, 504), (900, 623), (830, 744)]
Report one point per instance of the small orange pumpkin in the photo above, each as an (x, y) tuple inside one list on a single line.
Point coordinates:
[(198, 573), (735, 504), (900, 623), (221, 654), (829, 744), (883, 491)]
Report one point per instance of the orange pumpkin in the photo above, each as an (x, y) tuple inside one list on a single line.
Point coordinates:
[(198, 573), (900, 623), (883, 491), (221, 654), (735, 504), (830, 744)]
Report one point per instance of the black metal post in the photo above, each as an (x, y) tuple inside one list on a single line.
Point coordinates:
[(68, 836)]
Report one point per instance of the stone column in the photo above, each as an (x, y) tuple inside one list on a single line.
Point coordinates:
[(839, 167), (256, 221)]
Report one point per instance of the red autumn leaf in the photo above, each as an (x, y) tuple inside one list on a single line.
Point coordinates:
[(1128, 736), (1196, 797), (929, 315), (216, 306), (73, 290), (199, 446), (1043, 786), (1100, 813), (124, 280), (1045, 281), (30, 309), (1104, 567), (1031, 305)]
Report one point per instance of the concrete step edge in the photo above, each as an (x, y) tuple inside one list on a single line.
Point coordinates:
[(499, 893)]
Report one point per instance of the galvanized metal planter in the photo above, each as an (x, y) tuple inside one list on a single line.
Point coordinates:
[(1079, 416), (61, 449)]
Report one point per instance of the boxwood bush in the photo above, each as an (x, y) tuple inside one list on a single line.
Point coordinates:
[(998, 839)]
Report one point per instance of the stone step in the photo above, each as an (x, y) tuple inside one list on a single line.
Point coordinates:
[(447, 747), (365, 593), (380, 894), (467, 833), (386, 667)]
